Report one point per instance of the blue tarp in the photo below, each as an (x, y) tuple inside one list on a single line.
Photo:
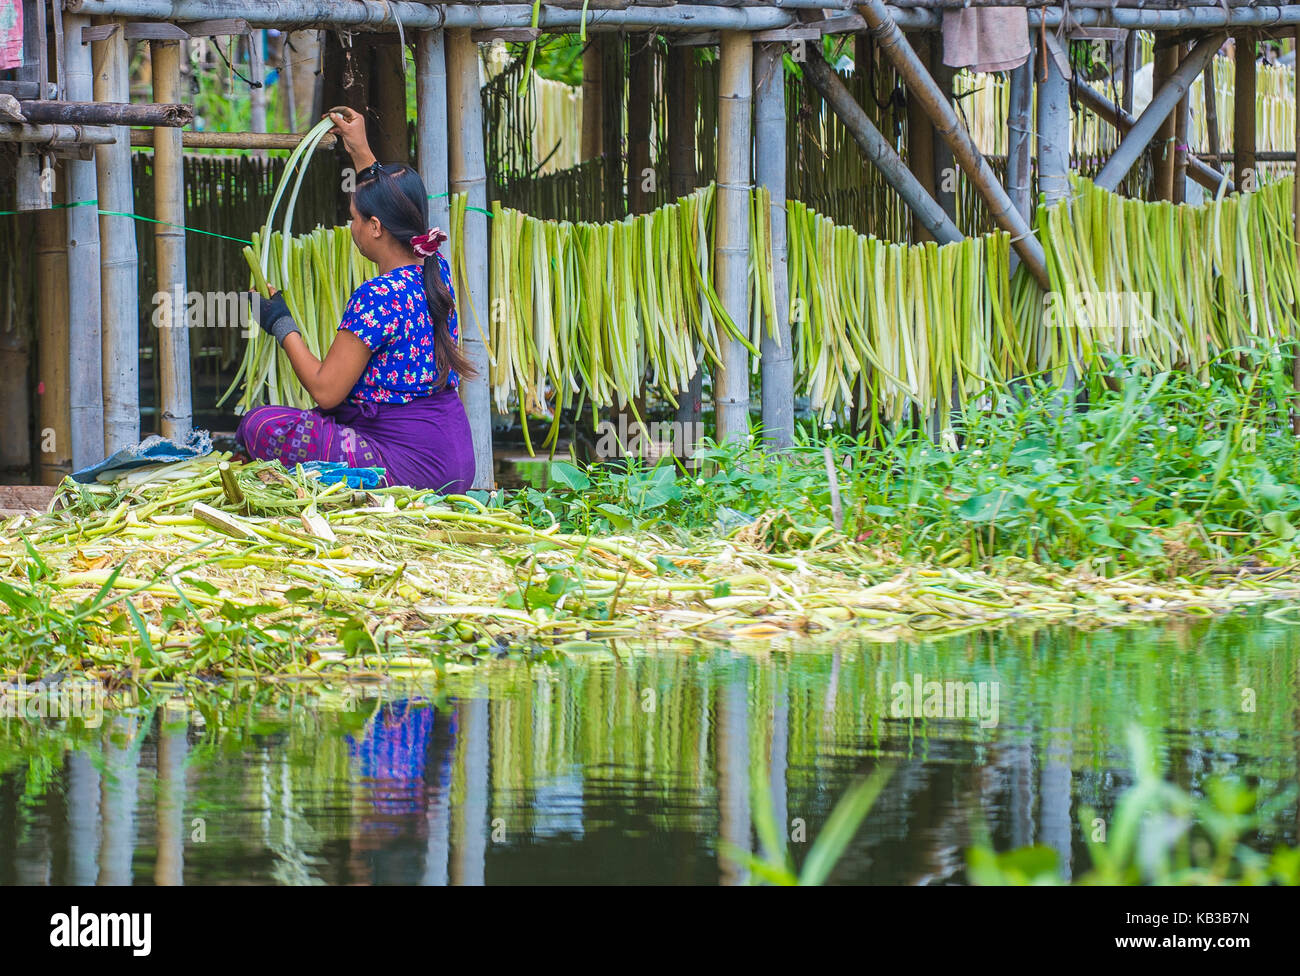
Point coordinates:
[(152, 450)]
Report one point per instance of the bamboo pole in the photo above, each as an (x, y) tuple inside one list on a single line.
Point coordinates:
[(949, 128), (697, 17), (1053, 126), (1139, 135), (86, 381), (166, 114), (680, 103), (235, 140), (54, 429), (735, 82), (1130, 70), (920, 150), (877, 149), (467, 173), (431, 119), (1020, 140), (777, 351), (172, 342), (257, 93), (119, 297), (1166, 63), (51, 135), (1243, 112)]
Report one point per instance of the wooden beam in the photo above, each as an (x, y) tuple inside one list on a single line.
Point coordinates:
[(511, 35), (1244, 164), (1166, 63), (920, 148)]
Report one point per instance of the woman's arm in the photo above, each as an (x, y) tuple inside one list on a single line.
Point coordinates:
[(328, 382)]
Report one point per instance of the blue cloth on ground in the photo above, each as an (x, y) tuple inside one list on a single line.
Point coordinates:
[(154, 449), (332, 471)]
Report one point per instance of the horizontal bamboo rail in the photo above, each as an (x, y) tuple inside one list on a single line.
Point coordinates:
[(383, 16), (233, 140), (90, 135), (106, 113)]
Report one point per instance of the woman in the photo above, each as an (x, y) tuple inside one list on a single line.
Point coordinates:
[(386, 390)]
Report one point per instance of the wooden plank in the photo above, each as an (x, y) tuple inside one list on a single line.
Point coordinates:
[(155, 32), (219, 28), (25, 499), (513, 35)]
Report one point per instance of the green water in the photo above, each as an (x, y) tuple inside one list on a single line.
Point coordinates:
[(633, 768)]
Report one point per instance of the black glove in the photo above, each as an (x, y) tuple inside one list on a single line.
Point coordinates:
[(274, 318)]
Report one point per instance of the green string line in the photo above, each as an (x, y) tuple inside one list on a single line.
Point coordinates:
[(133, 216), (486, 213)]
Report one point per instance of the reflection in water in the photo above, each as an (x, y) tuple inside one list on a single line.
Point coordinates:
[(640, 768)]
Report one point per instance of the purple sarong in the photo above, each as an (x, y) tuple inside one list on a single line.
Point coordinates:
[(423, 444)]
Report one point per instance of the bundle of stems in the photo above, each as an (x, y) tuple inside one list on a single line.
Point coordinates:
[(587, 309), (1174, 284), (922, 326)]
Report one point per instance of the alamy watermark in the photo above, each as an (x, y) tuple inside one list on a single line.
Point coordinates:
[(53, 699), (946, 699), (655, 439), (1122, 312), (178, 309)]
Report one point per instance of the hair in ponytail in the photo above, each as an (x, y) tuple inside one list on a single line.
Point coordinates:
[(396, 195)]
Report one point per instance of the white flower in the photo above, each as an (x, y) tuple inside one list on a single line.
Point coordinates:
[(699, 482), (979, 442), (1172, 429), (978, 453)]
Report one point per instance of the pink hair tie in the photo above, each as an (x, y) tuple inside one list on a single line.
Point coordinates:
[(426, 245)]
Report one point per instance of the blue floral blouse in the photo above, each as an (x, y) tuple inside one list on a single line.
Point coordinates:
[(390, 315)]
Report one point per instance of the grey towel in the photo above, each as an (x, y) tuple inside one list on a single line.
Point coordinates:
[(986, 38)]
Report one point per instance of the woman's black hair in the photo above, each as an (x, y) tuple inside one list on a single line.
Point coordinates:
[(395, 194)]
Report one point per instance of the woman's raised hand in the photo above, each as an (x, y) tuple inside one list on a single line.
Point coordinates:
[(350, 126)]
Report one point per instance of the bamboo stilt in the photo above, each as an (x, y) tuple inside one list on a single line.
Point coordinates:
[(731, 383), (467, 174), (777, 360), (431, 119), (54, 430), (84, 340), (172, 341), (119, 295)]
